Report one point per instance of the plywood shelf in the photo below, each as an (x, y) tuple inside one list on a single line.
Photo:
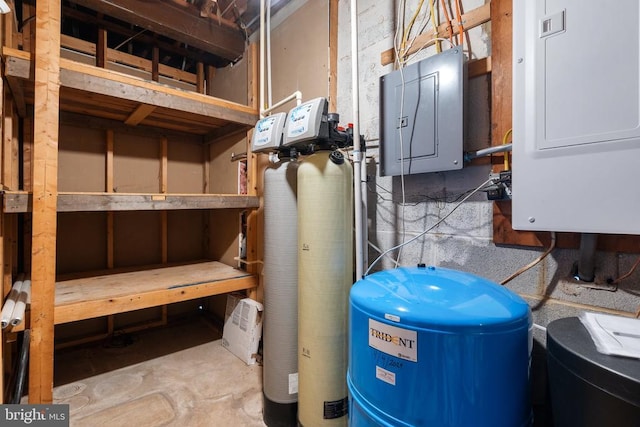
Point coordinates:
[(105, 93), (21, 202), (103, 293)]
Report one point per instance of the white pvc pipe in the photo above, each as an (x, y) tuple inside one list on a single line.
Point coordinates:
[(297, 95), (262, 48), (21, 304), (10, 303), (268, 30), (357, 153)]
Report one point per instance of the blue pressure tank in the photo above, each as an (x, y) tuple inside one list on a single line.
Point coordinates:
[(437, 347)]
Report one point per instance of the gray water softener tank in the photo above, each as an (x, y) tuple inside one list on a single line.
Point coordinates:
[(588, 388)]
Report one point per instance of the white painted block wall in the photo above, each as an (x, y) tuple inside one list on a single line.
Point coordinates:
[(464, 240)]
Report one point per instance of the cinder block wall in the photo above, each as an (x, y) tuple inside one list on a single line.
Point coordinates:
[(464, 240)]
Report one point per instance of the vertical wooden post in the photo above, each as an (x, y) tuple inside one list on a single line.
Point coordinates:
[(501, 68), (155, 64), (45, 193), (206, 168), (164, 168), (9, 138), (501, 112), (27, 175), (333, 55), (101, 48), (252, 167), (28, 29), (200, 88), (109, 189), (206, 216), (110, 214), (211, 73)]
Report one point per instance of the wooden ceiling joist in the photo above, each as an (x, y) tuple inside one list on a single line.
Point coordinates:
[(180, 23), (139, 114)]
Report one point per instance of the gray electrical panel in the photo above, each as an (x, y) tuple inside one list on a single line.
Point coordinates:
[(576, 116), (422, 116)]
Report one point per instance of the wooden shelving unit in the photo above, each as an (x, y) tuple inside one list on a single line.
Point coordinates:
[(84, 80), (21, 202), (100, 92), (109, 292)]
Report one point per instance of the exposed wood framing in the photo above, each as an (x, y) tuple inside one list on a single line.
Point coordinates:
[(479, 67), (27, 175), (254, 217), (28, 28), (18, 95), (20, 202), (178, 23), (109, 189), (211, 73), (101, 48), (117, 126), (110, 232), (140, 113), (206, 168), (224, 132), (149, 39), (164, 164), (10, 145), (45, 188), (470, 20), (200, 87), (155, 64), (253, 82), (86, 78), (89, 48), (101, 295), (164, 171)]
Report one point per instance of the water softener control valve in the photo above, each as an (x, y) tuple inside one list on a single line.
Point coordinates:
[(267, 135), (306, 122)]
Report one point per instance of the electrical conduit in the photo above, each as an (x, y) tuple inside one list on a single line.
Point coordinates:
[(357, 153)]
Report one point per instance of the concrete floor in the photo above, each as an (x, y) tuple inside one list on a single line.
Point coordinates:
[(178, 375)]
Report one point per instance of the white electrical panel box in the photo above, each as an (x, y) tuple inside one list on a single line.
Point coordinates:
[(576, 116), (267, 135)]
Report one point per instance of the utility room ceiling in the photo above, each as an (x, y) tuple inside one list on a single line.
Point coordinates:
[(186, 32)]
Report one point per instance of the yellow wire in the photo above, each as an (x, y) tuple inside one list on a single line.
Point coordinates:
[(505, 140), (405, 36), (434, 21)]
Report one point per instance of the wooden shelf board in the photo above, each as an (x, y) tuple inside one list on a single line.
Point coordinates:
[(121, 291), (21, 201), (100, 92)]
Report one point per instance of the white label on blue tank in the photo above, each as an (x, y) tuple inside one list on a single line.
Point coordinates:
[(399, 342), (386, 376)]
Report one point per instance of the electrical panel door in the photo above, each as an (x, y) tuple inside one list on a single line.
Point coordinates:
[(576, 116), (421, 116)]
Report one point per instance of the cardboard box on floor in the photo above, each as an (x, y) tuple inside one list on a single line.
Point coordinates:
[(242, 327)]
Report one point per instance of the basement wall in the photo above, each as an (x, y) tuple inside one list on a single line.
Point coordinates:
[(464, 240)]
